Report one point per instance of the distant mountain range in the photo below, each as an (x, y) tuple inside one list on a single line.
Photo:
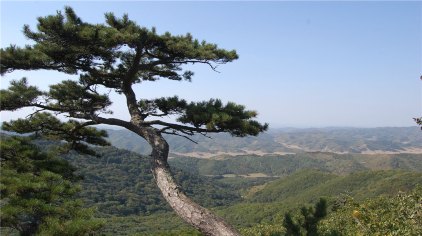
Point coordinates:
[(283, 141)]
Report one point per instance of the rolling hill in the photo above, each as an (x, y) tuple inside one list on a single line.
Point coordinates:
[(246, 189), (120, 183), (272, 200), (283, 165), (289, 140)]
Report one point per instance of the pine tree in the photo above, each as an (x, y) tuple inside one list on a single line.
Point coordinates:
[(292, 228), (117, 55), (37, 193), (307, 223)]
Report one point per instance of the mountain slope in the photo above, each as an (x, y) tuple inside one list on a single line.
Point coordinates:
[(280, 196), (308, 185), (120, 183)]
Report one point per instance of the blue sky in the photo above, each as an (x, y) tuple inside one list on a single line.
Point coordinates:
[(302, 64)]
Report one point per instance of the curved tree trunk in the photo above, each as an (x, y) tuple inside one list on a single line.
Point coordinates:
[(199, 217)]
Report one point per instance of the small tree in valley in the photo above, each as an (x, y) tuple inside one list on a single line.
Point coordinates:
[(117, 55), (306, 223)]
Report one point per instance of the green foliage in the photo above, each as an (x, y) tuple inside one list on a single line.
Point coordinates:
[(67, 96), (280, 196), (18, 95), (120, 183), (65, 43), (37, 193), (26, 57), (399, 215), (230, 118), (292, 228), (306, 223), (168, 106), (418, 121), (47, 126), (156, 224), (264, 230), (117, 55), (212, 115), (80, 222), (72, 97), (169, 224), (307, 184)]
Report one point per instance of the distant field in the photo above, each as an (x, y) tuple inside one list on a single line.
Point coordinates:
[(286, 141), (283, 165)]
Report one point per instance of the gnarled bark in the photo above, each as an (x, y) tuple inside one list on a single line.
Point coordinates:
[(199, 217)]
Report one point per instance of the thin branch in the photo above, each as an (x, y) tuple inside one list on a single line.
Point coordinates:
[(112, 121), (180, 127), (205, 135), (135, 66), (168, 60), (44, 107), (163, 130), (35, 112), (180, 135), (88, 123), (214, 68), (190, 133), (158, 115)]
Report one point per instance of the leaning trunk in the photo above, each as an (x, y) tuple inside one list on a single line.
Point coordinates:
[(197, 216)]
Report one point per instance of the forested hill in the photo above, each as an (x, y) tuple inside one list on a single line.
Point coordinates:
[(120, 183), (247, 190), (289, 140)]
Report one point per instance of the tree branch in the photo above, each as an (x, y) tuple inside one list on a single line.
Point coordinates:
[(92, 119), (180, 135), (180, 127), (135, 113), (113, 121), (134, 67), (169, 60), (157, 115)]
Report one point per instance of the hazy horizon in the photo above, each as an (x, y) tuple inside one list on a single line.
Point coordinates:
[(296, 127)]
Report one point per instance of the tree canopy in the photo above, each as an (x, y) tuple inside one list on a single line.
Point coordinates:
[(115, 56)]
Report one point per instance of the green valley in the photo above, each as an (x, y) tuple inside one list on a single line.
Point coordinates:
[(253, 192), (125, 196)]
